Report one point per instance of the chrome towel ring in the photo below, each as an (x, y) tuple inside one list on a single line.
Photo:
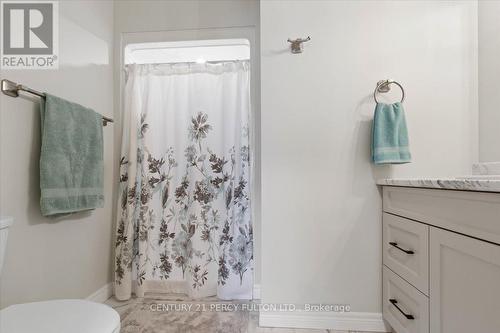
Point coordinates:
[(384, 87)]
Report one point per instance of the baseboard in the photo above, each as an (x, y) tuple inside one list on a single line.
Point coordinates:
[(102, 294), (345, 321), (256, 291)]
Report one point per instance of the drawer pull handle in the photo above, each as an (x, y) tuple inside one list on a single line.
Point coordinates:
[(395, 303), (400, 248)]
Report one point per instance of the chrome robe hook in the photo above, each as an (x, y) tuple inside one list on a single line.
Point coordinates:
[(296, 44)]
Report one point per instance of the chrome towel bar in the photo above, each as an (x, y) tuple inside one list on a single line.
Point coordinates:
[(12, 89)]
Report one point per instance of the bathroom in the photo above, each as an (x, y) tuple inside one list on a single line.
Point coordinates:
[(336, 238)]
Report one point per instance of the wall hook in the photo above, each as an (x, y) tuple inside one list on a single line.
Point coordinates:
[(296, 44)]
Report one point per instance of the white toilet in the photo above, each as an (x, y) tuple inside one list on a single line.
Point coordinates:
[(56, 316)]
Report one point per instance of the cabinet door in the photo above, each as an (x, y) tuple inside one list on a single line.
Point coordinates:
[(464, 284)]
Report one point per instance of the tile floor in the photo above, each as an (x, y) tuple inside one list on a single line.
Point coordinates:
[(177, 314)]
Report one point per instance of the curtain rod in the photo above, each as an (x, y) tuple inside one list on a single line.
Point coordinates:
[(12, 89)]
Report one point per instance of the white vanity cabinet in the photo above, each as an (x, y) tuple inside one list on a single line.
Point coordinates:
[(441, 260)]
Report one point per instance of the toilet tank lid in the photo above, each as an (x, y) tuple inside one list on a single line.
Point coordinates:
[(6, 221)]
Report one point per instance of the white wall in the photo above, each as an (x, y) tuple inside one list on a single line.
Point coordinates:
[(147, 21), (67, 257), (489, 80), (321, 209)]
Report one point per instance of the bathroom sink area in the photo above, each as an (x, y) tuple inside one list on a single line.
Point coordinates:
[(5, 221)]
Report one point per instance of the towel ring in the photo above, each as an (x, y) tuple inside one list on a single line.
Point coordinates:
[(384, 86)]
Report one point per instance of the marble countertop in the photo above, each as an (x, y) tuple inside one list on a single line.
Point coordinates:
[(472, 183)]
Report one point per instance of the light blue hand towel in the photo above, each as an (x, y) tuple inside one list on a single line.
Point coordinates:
[(71, 158), (390, 143)]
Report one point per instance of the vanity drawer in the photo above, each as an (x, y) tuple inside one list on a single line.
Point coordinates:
[(406, 250), (470, 213), (404, 307)]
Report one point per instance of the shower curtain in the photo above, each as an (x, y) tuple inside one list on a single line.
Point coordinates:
[(184, 215)]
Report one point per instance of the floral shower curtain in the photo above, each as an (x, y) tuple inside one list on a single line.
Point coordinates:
[(184, 216)]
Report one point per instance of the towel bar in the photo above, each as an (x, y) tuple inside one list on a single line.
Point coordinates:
[(12, 89)]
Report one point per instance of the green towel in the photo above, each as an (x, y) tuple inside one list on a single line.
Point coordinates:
[(390, 135), (71, 158)]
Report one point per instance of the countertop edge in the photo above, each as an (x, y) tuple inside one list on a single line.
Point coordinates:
[(474, 185)]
